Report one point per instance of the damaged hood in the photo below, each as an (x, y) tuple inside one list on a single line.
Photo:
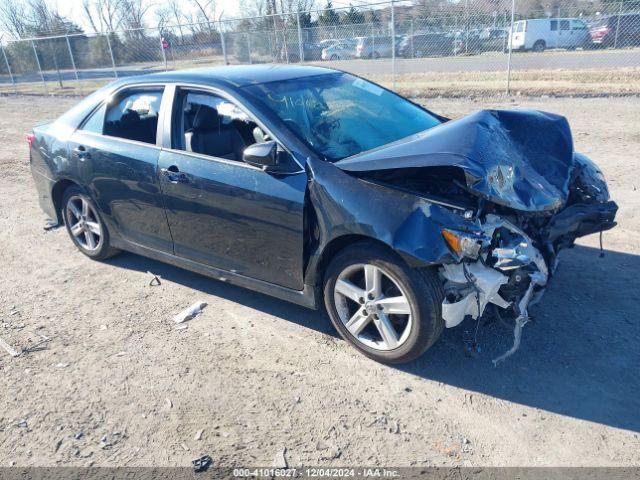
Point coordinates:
[(520, 159)]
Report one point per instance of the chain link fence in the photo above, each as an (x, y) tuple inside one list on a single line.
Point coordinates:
[(470, 47)]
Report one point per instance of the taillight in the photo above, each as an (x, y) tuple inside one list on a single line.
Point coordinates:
[(30, 139)]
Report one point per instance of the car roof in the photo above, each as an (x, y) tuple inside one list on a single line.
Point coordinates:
[(233, 76)]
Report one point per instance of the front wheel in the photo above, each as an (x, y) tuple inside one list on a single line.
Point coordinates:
[(84, 225), (388, 311)]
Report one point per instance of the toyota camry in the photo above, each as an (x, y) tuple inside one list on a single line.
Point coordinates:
[(321, 188)]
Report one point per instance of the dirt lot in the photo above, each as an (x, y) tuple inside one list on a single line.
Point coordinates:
[(119, 385)]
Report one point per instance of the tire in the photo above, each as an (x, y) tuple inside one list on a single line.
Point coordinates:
[(334, 57), (91, 236), (419, 292), (539, 46), (375, 55)]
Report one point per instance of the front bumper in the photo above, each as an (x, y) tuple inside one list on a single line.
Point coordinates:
[(513, 270)]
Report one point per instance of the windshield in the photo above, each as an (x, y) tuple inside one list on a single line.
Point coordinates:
[(339, 115)]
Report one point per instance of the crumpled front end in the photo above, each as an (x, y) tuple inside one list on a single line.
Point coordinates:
[(525, 193), (506, 265), (510, 273)]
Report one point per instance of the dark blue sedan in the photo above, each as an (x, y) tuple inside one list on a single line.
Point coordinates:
[(321, 188)]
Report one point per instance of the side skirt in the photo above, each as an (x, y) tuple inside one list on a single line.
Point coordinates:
[(305, 297)]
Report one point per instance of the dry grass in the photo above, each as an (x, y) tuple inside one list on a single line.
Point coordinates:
[(592, 82), (588, 83)]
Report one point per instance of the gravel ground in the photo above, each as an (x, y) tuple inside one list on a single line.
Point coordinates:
[(118, 384)]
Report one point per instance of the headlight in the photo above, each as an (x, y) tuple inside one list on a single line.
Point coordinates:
[(464, 244)]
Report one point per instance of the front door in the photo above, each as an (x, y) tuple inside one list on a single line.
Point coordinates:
[(223, 212), (118, 157)]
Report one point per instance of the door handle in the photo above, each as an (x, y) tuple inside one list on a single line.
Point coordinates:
[(174, 175), (81, 153)]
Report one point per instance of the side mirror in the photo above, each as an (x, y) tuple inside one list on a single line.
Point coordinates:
[(263, 155)]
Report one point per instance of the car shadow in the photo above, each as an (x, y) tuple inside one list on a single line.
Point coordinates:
[(579, 357), (273, 306)]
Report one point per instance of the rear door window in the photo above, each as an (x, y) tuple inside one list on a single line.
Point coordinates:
[(95, 122), (554, 25), (133, 115)]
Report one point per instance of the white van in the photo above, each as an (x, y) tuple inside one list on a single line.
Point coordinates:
[(541, 33)]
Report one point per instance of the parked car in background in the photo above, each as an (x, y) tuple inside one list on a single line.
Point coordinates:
[(426, 45), (327, 43), (343, 50), (616, 30), (311, 51), (466, 42), (375, 47), (540, 34), (491, 39), (494, 39)]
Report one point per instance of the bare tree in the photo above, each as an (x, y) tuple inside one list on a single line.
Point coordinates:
[(133, 12), (12, 18), (206, 9), (103, 14), (173, 6)]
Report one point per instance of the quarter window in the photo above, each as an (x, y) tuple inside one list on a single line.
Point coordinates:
[(95, 122), (133, 115)]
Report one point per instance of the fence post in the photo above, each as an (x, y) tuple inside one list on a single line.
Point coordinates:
[(73, 61), (113, 60), (35, 52), (300, 46), (411, 37), (504, 24), (615, 40), (373, 40), (393, 46), (6, 61), (224, 47), (162, 50), (466, 26), (249, 47), (513, 11)]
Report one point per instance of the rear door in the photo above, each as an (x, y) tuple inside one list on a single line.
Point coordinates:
[(117, 148), (223, 212)]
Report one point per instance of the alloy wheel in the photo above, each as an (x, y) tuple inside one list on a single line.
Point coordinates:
[(373, 306), (84, 223)]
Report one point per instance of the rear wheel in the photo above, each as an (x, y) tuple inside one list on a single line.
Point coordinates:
[(335, 57), (84, 225), (388, 311), (539, 46)]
